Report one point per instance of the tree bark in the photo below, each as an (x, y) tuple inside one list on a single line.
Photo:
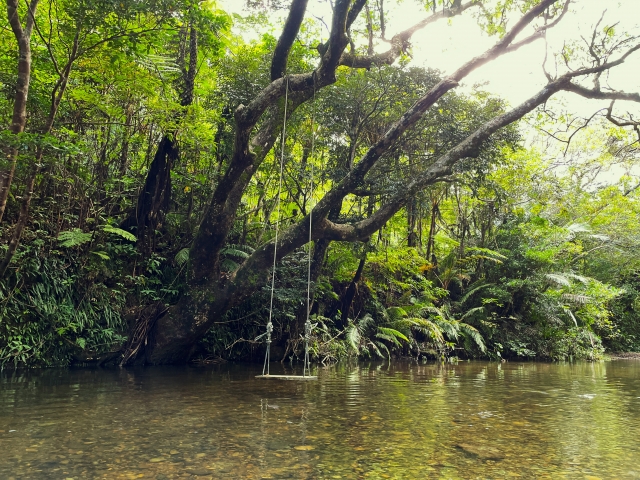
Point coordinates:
[(19, 117)]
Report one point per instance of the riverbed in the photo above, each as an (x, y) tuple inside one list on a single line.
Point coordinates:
[(357, 421)]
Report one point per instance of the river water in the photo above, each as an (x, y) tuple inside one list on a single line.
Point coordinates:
[(360, 421)]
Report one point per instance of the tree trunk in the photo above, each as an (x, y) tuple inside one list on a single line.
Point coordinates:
[(19, 118), (154, 198), (352, 289)]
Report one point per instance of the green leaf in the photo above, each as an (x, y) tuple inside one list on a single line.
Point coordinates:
[(101, 254), (120, 232), (73, 238)]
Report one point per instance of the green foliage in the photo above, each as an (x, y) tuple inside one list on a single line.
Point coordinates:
[(73, 238)]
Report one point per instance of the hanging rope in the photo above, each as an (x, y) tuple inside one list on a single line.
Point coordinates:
[(306, 369), (267, 355), (308, 327)]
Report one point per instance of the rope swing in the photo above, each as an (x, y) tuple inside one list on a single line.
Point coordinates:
[(308, 327)]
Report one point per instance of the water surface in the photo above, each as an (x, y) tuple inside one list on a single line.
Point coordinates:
[(365, 421)]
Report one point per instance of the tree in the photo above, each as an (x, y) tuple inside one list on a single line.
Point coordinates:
[(258, 124)]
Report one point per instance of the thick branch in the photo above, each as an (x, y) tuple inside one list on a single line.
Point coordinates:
[(540, 32), (600, 95), (287, 37)]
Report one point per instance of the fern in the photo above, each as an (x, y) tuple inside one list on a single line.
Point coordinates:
[(101, 254), (558, 279), (391, 335), (73, 238), (474, 334), (182, 257), (119, 232), (575, 298), (353, 337), (471, 311)]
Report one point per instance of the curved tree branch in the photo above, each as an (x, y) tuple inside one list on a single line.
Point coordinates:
[(287, 37)]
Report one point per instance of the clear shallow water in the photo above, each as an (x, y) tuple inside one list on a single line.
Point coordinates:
[(367, 421)]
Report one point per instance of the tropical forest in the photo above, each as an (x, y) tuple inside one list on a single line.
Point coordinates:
[(202, 181)]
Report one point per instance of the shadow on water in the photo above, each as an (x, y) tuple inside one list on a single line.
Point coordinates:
[(367, 420)]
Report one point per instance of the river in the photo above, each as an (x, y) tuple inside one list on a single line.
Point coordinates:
[(361, 421)]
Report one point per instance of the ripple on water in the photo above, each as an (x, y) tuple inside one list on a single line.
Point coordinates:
[(471, 420)]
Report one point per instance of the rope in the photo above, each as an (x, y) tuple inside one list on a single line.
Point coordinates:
[(267, 355), (307, 325)]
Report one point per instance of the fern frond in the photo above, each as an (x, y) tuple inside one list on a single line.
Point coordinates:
[(228, 265), (473, 290), (471, 311), (396, 313), (474, 334), (571, 315), (353, 337), (580, 278), (182, 257), (558, 279), (575, 298), (450, 328), (426, 327), (73, 238), (392, 332), (120, 232)]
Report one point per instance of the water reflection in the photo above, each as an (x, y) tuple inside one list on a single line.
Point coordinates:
[(471, 420)]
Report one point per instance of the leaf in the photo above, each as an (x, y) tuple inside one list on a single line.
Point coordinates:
[(558, 279), (575, 298), (73, 238), (353, 337), (120, 232), (101, 254), (392, 332), (474, 334), (182, 257)]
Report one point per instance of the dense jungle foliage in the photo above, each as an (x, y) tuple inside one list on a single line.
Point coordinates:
[(529, 247)]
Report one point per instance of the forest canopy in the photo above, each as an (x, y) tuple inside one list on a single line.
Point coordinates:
[(164, 161)]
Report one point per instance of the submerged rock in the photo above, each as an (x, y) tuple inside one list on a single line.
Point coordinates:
[(481, 451)]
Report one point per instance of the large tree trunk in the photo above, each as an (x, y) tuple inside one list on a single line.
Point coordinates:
[(19, 118)]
